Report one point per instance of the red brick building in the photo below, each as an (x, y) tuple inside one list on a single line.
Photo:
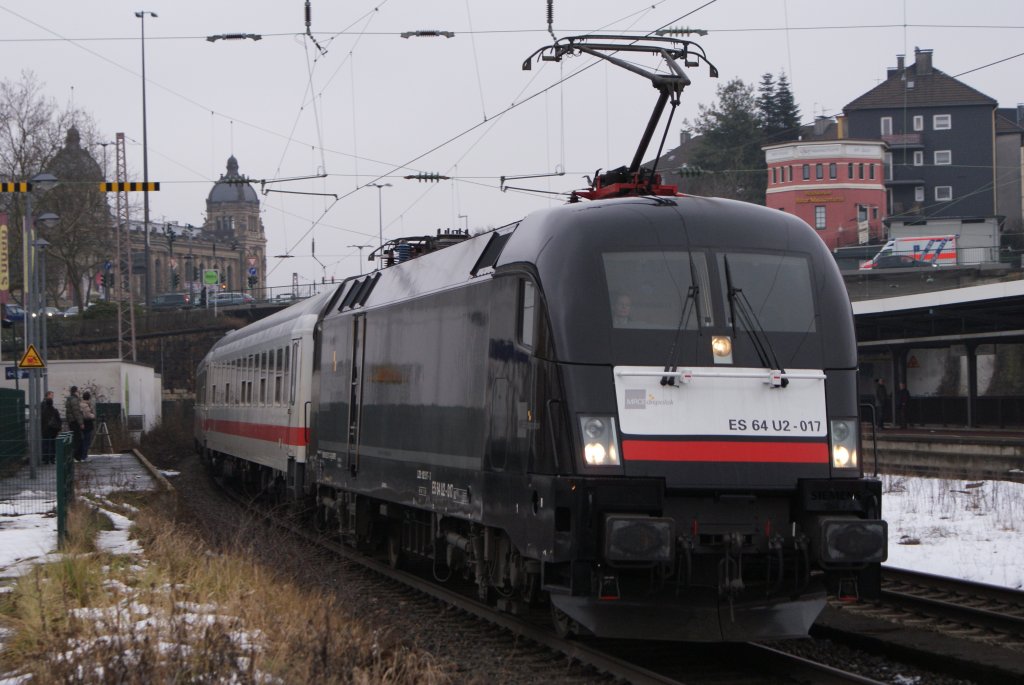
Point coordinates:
[(837, 186)]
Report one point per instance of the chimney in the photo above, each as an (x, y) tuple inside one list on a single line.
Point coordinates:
[(923, 61), (821, 125), (684, 137), (896, 72)]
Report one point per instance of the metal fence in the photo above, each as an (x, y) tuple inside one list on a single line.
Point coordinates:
[(26, 488)]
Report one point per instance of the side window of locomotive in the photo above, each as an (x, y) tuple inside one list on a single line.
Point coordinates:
[(527, 312), (658, 290), (775, 288)]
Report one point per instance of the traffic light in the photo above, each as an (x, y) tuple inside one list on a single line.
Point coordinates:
[(252, 282), (195, 273), (175, 279), (105, 279)]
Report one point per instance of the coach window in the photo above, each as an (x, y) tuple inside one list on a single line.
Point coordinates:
[(527, 309), (263, 378), (295, 371), (278, 370)]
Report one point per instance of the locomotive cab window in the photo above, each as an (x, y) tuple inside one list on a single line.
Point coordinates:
[(774, 288), (527, 310), (658, 290)]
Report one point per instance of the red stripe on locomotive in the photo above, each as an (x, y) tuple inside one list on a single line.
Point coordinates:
[(723, 451)]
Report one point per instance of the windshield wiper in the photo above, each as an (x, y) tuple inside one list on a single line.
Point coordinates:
[(739, 307), (684, 318)]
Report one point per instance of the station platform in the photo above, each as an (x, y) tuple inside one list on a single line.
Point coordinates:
[(945, 451), (101, 474)]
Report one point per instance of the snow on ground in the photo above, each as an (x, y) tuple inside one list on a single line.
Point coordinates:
[(956, 528)]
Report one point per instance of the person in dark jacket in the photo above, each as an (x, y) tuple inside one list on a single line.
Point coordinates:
[(49, 418), (76, 422), (902, 406), (89, 415), (881, 402)]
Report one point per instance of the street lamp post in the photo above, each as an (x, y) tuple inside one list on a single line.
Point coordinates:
[(466, 217), (380, 210), (40, 245), (360, 248), (31, 287), (145, 152)]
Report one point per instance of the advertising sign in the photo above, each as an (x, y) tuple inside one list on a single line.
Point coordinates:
[(5, 272)]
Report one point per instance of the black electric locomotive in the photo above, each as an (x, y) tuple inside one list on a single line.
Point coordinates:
[(684, 466)]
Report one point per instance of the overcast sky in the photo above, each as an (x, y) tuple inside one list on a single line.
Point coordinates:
[(374, 107)]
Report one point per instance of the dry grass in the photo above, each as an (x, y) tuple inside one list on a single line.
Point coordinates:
[(186, 615)]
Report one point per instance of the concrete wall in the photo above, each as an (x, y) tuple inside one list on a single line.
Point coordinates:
[(137, 389)]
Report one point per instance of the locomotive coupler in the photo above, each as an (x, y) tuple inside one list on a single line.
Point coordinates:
[(730, 568), (802, 576), (776, 544)]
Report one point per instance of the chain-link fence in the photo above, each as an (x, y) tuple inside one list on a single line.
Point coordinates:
[(25, 487)]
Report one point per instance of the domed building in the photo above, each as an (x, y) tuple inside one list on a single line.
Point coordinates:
[(233, 222)]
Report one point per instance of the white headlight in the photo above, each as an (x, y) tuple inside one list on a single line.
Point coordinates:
[(844, 443), (600, 441)]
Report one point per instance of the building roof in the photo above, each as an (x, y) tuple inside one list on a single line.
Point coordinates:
[(1008, 120), (919, 85), (232, 187)]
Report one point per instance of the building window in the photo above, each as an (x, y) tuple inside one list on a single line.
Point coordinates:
[(943, 193), (819, 217), (774, 179), (942, 122), (790, 172), (918, 193), (862, 213), (874, 212), (807, 172), (943, 157), (819, 171), (871, 171), (860, 170), (832, 171), (888, 166), (886, 126), (918, 123), (918, 157)]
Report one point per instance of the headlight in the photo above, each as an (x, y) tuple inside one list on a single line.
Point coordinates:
[(600, 441), (721, 349), (844, 444)]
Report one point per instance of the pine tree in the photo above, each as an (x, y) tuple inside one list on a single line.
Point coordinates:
[(785, 113), (730, 146), (766, 101)]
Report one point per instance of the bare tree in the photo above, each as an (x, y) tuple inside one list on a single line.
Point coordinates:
[(37, 135)]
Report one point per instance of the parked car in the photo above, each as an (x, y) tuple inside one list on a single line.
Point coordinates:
[(52, 312), (226, 299), (15, 312), (171, 301)]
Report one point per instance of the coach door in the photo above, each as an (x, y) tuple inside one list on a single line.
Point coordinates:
[(355, 405)]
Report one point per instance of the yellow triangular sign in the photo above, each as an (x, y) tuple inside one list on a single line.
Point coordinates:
[(31, 359)]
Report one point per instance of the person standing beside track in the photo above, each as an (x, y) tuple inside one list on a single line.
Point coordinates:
[(51, 423), (89, 420), (881, 400), (902, 406), (76, 422)]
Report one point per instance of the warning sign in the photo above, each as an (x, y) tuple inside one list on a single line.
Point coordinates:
[(31, 359)]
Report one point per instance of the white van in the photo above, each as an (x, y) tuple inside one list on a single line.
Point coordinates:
[(937, 250)]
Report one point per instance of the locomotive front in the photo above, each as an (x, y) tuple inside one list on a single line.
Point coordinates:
[(707, 358)]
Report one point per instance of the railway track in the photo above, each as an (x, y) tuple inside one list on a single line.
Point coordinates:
[(993, 613), (632, 662)]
